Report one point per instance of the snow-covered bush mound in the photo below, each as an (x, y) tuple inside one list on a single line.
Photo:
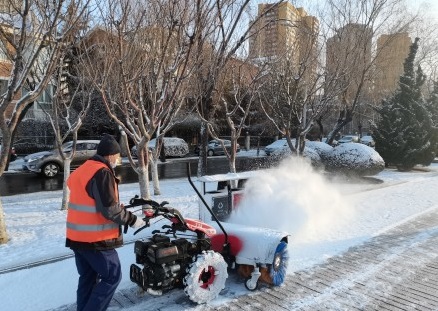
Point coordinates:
[(353, 159), (321, 148), (348, 158), (309, 153)]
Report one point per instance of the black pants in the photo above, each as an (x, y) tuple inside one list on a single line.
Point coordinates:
[(99, 275)]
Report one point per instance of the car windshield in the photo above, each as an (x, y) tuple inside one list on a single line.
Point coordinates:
[(67, 146)]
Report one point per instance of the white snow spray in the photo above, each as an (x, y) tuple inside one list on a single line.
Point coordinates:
[(294, 198)]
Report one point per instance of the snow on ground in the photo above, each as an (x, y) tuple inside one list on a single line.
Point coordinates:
[(324, 217)]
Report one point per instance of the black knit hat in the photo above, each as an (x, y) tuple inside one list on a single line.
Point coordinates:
[(108, 146)]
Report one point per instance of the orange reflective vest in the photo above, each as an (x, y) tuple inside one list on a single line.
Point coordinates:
[(84, 222)]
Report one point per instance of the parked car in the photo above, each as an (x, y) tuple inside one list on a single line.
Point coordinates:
[(173, 147), (349, 139), (276, 146), (50, 163), (13, 155), (214, 147), (368, 140)]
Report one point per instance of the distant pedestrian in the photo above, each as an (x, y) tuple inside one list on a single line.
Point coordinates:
[(94, 221)]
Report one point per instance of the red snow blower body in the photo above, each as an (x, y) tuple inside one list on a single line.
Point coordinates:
[(196, 254)]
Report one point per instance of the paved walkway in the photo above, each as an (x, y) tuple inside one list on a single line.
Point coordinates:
[(397, 270), (394, 271)]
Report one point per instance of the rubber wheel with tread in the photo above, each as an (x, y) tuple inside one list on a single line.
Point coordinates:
[(50, 170), (210, 153), (205, 277), (251, 288)]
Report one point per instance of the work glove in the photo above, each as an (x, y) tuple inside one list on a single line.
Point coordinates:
[(139, 223)]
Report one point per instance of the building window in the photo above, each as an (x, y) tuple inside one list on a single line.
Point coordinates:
[(44, 101)]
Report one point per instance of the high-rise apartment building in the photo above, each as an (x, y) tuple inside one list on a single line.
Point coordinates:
[(348, 60), (392, 50), (283, 31), (348, 64)]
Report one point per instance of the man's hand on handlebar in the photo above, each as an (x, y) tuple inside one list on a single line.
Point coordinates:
[(139, 223)]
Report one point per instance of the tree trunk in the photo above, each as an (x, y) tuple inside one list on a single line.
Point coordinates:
[(154, 172), (202, 163), (143, 174), (301, 143), (4, 154), (232, 164), (66, 190), (3, 158), (345, 117), (247, 141), (3, 233), (321, 128), (14, 129)]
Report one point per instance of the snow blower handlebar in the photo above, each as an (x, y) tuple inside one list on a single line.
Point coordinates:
[(137, 201), (157, 209)]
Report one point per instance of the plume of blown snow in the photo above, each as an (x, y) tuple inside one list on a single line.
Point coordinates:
[(294, 198)]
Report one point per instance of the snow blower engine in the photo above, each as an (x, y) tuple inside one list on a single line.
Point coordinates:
[(187, 263)]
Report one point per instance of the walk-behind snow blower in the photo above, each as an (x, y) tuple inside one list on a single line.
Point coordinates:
[(189, 254)]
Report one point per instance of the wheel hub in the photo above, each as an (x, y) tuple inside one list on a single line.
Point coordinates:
[(207, 277)]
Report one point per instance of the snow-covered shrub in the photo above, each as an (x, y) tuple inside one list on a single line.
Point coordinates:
[(349, 158), (321, 148), (353, 159), (309, 153)]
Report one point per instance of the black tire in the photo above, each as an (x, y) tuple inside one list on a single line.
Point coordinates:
[(50, 170), (210, 153)]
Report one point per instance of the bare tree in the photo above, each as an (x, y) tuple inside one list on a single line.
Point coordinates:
[(226, 26), (293, 94), (70, 105), (351, 32), (33, 38), (140, 60), (333, 70), (427, 55), (236, 89)]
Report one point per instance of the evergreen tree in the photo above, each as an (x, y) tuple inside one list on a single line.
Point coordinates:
[(432, 107), (404, 134)]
